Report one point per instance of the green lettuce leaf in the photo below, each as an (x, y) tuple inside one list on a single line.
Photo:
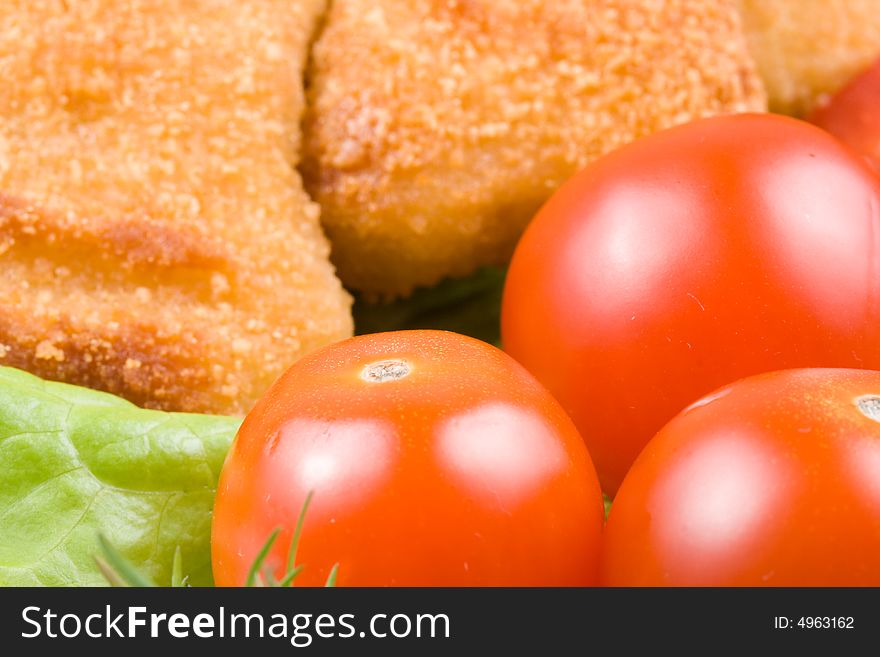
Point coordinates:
[(75, 463), (470, 305)]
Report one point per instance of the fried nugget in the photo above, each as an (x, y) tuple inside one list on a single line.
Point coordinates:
[(156, 240), (807, 48), (436, 128)]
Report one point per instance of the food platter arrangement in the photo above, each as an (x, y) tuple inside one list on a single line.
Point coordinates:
[(440, 293)]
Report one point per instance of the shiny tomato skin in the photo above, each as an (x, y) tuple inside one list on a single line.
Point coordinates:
[(719, 249), (463, 472), (771, 481), (853, 114)]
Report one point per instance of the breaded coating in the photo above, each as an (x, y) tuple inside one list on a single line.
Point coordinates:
[(156, 240), (807, 48), (436, 128)]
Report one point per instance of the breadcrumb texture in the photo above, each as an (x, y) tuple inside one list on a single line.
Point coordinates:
[(807, 48), (156, 240), (436, 128)]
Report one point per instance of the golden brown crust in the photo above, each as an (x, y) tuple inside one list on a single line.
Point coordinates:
[(155, 239), (128, 360), (436, 128), (807, 48)]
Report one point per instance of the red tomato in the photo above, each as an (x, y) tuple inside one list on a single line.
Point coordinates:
[(435, 459), (853, 114), (774, 480), (697, 256)]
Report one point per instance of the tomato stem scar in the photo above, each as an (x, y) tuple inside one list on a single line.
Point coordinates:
[(869, 406), (385, 370)]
